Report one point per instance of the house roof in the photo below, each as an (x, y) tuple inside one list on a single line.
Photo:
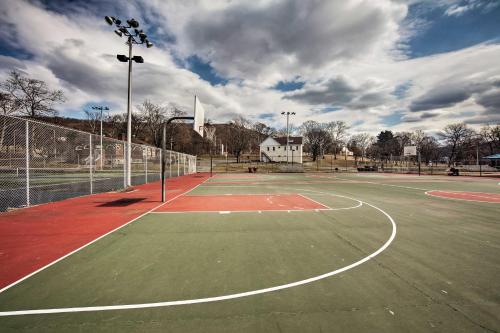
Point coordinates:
[(493, 157), (295, 140)]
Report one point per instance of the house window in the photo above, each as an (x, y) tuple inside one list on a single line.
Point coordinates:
[(274, 148), (284, 148), (297, 148), (267, 148)]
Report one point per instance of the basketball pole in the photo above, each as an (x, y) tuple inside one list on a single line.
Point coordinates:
[(164, 153)]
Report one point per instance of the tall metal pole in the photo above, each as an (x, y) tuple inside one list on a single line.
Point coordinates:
[(345, 159), (101, 139), (477, 154), (91, 162), (163, 157), (129, 114), (27, 164), (419, 159), (287, 136)]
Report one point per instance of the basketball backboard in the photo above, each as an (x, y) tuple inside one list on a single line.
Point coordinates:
[(199, 116), (410, 151)]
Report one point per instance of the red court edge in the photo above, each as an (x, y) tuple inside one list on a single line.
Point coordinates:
[(468, 196), (32, 238), (251, 202)]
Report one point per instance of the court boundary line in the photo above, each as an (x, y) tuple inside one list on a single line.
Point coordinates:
[(224, 297), (91, 242), (458, 199), (319, 203), (392, 185)]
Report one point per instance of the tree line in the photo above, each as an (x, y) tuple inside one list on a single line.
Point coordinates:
[(24, 96), (454, 143)]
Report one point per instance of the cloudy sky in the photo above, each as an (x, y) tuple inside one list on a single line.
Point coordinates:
[(400, 64)]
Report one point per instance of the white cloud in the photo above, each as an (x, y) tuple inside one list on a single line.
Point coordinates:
[(347, 52)]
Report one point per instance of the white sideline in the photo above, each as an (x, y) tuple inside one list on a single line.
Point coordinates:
[(92, 242), (224, 297)]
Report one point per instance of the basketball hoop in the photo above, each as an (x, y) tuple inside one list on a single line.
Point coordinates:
[(209, 132)]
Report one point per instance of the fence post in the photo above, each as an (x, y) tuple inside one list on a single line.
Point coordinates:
[(146, 164), (178, 165), (161, 161), (183, 164), (90, 162), (169, 164), (27, 164), (124, 166)]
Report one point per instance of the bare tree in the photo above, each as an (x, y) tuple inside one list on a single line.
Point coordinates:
[(491, 136), (238, 136), (338, 134), (154, 117), (455, 136), (176, 133), (316, 137), (417, 137), (429, 149), (93, 119), (33, 97), (362, 141), (7, 104)]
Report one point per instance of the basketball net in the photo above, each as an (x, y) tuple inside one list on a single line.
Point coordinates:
[(209, 133)]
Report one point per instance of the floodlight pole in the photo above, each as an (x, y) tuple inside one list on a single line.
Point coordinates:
[(124, 31), (129, 114), (164, 153), (288, 113)]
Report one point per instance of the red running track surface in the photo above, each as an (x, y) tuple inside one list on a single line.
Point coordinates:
[(468, 196), (214, 203), (32, 238)]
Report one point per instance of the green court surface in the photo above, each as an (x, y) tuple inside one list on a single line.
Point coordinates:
[(398, 260)]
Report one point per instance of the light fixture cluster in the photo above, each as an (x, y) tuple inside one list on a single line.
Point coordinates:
[(101, 108), (288, 113), (133, 34)]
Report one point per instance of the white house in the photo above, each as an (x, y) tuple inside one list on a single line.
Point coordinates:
[(275, 149), (345, 150)]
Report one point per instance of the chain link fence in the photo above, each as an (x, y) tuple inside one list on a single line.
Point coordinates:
[(41, 163)]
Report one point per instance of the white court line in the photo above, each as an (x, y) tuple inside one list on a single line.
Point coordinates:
[(55, 184), (91, 242), (224, 297), (253, 211), (319, 203), (409, 187), (459, 199), (240, 194)]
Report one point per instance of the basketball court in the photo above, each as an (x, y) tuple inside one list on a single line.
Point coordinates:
[(299, 251)]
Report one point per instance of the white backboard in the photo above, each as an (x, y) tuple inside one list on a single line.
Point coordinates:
[(199, 116), (410, 151)]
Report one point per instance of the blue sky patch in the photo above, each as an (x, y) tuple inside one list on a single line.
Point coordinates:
[(289, 85), (328, 109), (269, 116), (401, 90), (392, 119), (446, 33), (205, 71)]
